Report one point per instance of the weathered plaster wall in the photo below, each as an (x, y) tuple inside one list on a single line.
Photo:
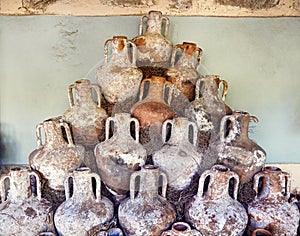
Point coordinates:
[(254, 8)]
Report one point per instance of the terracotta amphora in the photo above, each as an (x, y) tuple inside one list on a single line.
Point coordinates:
[(84, 207), (119, 78), (214, 211), (236, 150), (271, 208), (121, 154), (56, 156), (154, 49), (178, 157), (23, 212), (146, 212), (152, 110), (183, 72), (85, 116)]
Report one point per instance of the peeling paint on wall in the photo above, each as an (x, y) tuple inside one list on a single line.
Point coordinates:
[(65, 46)]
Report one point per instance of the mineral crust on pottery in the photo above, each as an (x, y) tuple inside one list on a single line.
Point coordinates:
[(154, 49), (85, 116), (84, 208), (22, 213), (181, 229), (183, 72), (236, 150), (271, 208), (56, 156), (178, 157), (119, 78), (146, 212), (213, 211), (120, 155)]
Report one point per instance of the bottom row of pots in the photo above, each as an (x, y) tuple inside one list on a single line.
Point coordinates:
[(214, 210)]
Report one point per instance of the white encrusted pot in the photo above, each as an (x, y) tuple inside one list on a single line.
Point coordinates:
[(154, 49), (119, 78), (213, 211), (178, 157), (83, 208), (146, 213), (22, 213), (120, 155), (271, 208)]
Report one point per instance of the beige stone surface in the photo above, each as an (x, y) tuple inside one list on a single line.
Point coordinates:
[(228, 8)]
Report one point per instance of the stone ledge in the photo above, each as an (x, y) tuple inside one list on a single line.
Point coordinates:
[(223, 8)]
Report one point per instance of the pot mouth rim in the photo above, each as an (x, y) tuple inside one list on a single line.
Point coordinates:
[(220, 168), (150, 167), (272, 168)]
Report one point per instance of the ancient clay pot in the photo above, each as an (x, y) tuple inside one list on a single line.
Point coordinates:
[(152, 110), (119, 78), (84, 207), (154, 49), (120, 155), (181, 229), (56, 156), (271, 209), (85, 116), (146, 213), (178, 157), (208, 108), (213, 211), (23, 212), (236, 150), (183, 72)]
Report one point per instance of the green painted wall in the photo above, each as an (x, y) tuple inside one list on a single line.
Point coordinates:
[(259, 57)]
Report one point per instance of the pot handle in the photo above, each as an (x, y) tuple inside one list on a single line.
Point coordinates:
[(198, 59), (195, 133), (164, 184), (107, 126), (225, 88), (70, 95), (164, 129), (67, 187), (197, 89), (141, 28), (38, 132), (171, 90), (134, 53), (98, 185), (97, 89), (223, 137), (38, 184), (287, 183), (107, 42), (236, 184), (166, 31), (2, 187), (256, 182), (201, 183), (142, 87), (136, 129), (261, 231), (174, 53), (132, 184), (68, 133)]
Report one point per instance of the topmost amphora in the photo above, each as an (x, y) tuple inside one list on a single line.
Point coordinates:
[(86, 116), (154, 49)]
